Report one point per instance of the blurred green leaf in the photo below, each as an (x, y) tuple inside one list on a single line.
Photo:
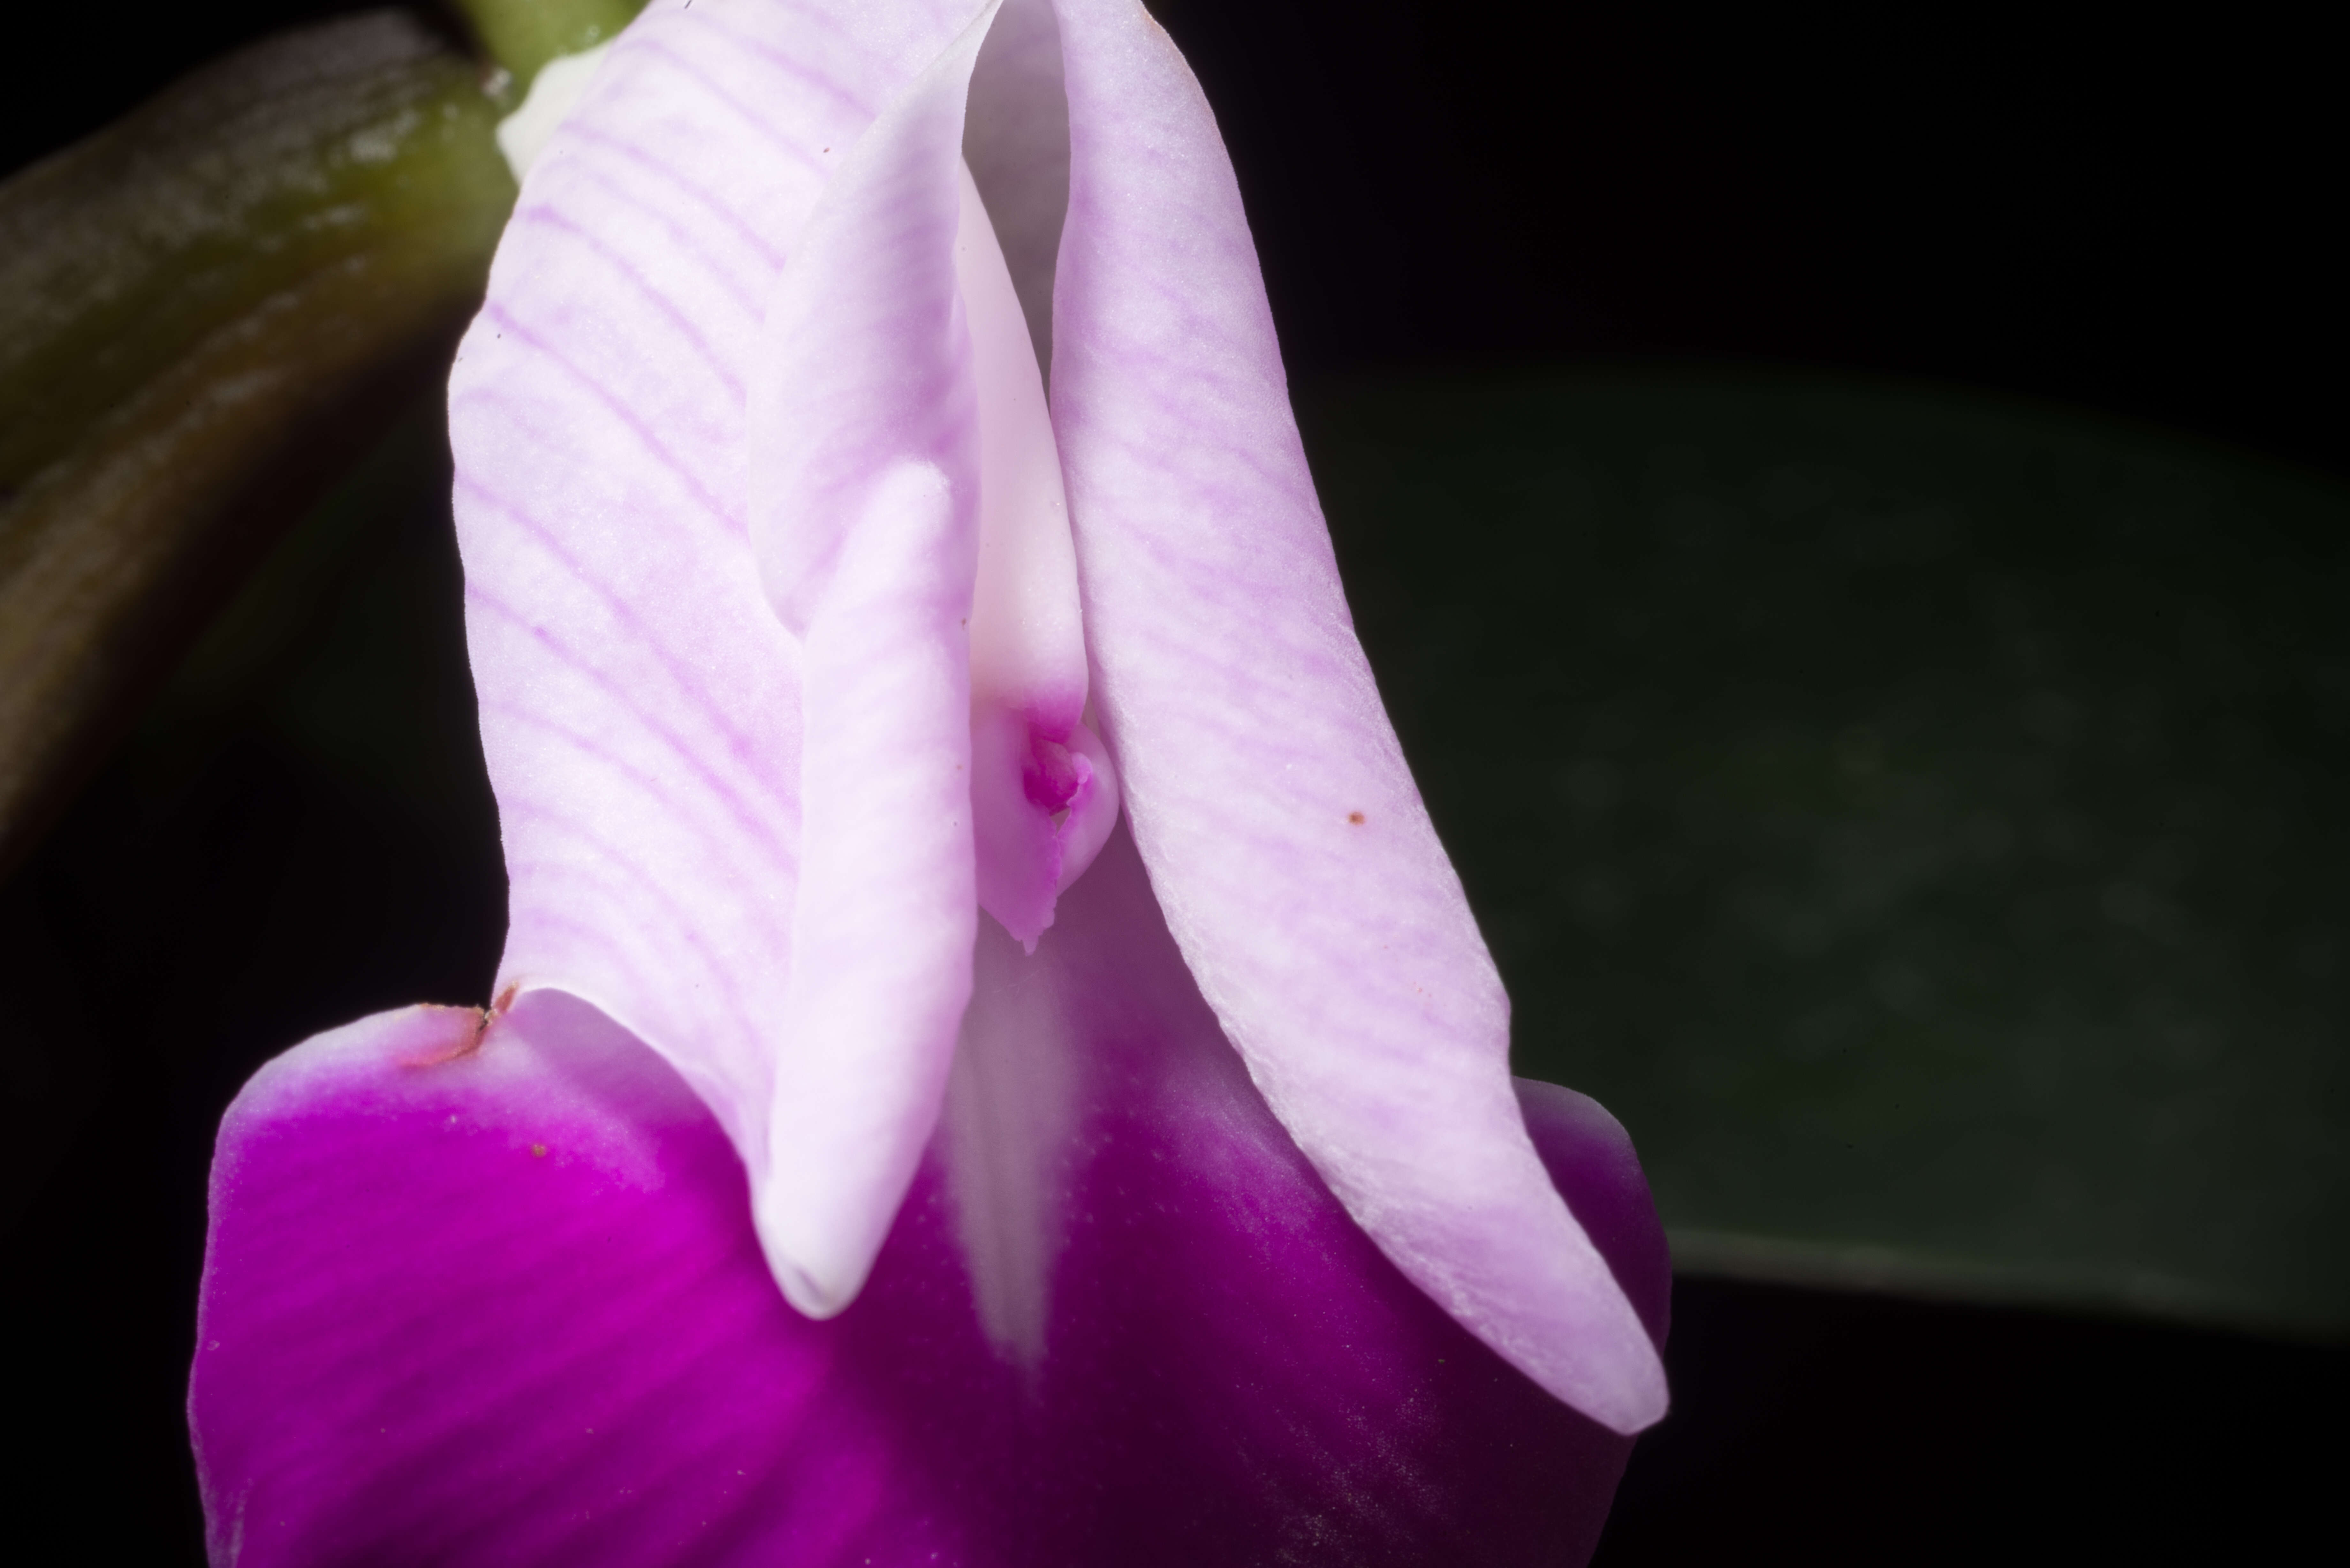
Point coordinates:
[(1919, 816), (207, 312)]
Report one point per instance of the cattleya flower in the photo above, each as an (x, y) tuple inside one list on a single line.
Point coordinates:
[(971, 818)]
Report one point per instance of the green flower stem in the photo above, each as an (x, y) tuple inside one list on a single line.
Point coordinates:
[(524, 34), (207, 312)]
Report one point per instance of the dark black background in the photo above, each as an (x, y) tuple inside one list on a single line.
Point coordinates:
[(2128, 215)]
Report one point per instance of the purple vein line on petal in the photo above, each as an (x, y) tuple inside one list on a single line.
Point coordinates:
[(677, 811), (654, 446), (600, 935), (545, 216), (813, 18), (688, 681), (680, 239), (790, 66), (767, 129), (610, 860), (744, 811), (508, 1402), (1272, 471), (670, 175), (590, 1351)]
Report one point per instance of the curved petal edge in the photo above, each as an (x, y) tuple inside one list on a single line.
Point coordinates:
[(1285, 840)]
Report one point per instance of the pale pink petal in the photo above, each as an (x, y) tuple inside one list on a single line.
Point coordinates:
[(1285, 838), (641, 704), (865, 359), (865, 505), (881, 945)]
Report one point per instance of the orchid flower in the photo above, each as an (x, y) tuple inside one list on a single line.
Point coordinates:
[(990, 1063)]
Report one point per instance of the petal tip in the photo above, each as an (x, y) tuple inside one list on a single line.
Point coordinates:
[(820, 1260), (815, 1293), (808, 1295), (1640, 1402)]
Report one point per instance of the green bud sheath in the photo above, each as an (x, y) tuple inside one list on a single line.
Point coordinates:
[(522, 35), (207, 312)]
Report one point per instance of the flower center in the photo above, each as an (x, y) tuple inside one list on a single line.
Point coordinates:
[(1044, 796)]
